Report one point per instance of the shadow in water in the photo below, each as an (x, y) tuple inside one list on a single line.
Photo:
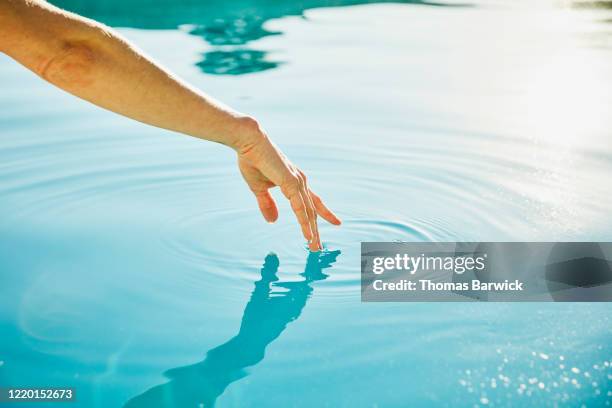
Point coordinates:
[(229, 26), (264, 319), (238, 62)]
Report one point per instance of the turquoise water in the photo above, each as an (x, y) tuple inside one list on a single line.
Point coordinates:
[(136, 267)]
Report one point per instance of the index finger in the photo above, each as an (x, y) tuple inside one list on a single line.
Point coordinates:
[(315, 245), (299, 209)]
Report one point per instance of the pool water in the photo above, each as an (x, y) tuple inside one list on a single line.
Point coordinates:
[(137, 269)]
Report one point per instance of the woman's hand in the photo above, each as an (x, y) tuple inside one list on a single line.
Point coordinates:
[(264, 166), (95, 63)]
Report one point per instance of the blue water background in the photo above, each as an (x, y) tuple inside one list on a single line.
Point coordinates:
[(136, 267)]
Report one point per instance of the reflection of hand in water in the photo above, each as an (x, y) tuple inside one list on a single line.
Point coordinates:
[(264, 319)]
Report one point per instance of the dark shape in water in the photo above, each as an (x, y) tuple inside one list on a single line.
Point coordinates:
[(264, 319), (236, 62), (237, 31), (578, 272), (583, 272), (219, 22)]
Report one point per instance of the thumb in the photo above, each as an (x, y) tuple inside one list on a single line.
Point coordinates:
[(267, 206)]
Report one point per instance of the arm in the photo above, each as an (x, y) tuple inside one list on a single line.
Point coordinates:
[(91, 61)]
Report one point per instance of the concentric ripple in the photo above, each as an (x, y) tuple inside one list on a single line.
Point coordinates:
[(231, 244), (127, 250)]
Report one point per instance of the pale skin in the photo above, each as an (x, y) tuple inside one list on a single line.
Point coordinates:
[(93, 62)]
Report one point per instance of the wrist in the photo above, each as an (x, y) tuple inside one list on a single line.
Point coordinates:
[(248, 133)]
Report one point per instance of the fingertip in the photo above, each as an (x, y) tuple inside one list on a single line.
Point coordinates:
[(267, 206), (335, 220), (332, 219), (268, 216), (313, 247), (307, 234), (272, 216)]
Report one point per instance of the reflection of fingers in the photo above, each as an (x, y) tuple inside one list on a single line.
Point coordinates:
[(267, 206), (323, 211)]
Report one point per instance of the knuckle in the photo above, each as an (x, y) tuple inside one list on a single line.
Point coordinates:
[(291, 185), (300, 180), (294, 181)]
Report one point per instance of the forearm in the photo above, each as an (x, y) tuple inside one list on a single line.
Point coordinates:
[(94, 63)]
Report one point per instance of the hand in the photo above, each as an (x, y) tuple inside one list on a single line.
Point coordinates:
[(264, 166)]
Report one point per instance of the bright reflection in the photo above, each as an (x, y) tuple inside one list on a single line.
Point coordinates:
[(565, 97)]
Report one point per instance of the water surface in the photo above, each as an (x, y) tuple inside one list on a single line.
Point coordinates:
[(136, 266)]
